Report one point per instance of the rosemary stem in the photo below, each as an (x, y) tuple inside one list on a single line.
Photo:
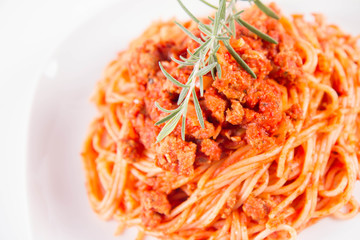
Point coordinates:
[(204, 59), (192, 81)]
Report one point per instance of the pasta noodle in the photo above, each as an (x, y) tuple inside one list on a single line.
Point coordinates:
[(260, 179)]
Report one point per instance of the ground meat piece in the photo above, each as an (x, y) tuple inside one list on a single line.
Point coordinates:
[(145, 60), (257, 137), (193, 127), (211, 149), (150, 218), (294, 112), (137, 107), (146, 129), (258, 62), (157, 93), (158, 184), (235, 115), (131, 149), (155, 201), (176, 155), (139, 120), (249, 115), (287, 66), (324, 63), (234, 82), (216, 104), (229, 206), (286, 127), (256, 208), (154, 204), (264, 100)]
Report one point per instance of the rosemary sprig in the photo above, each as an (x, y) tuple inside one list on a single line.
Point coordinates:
[(203, 60)]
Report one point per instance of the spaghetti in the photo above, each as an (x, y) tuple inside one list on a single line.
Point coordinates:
[(277, 153)]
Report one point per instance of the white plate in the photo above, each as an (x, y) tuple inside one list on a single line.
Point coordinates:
[(61, 113)]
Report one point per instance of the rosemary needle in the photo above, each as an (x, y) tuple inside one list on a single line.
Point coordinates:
[(203, 60)]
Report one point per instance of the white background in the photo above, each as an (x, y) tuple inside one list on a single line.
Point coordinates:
[(30, 30)]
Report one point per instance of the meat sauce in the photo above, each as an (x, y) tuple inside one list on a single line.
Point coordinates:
[(235, 102), (237, 108)]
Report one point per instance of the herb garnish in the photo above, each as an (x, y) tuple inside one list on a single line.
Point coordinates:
[(204, 60)]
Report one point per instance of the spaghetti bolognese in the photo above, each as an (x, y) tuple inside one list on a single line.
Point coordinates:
[(277, 153)]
